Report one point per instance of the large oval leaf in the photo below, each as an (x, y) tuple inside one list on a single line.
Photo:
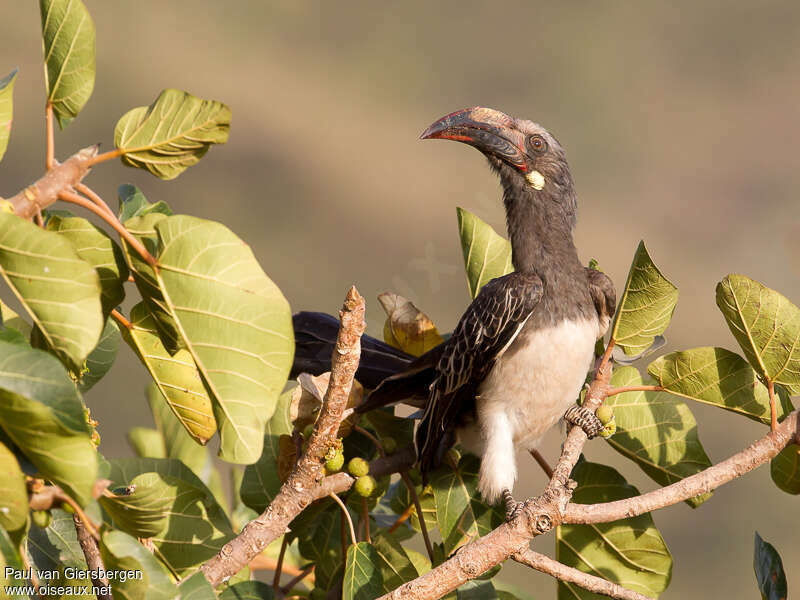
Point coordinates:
[(719, 377), (657, 431), (486, 254), (96, 247), (767, 327), (646, 305), (630, 552), (170, 505), (69, 56), (260, 483), (171, 134), (785, 469), (13, 493), (42, 413), (362, 576), (461, 513), (770, 576), (6, 109), (176, 376), (101, 359), (57, 288), (234, 321), (121, 552)]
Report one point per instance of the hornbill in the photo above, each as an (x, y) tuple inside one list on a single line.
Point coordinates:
[(518, 357)]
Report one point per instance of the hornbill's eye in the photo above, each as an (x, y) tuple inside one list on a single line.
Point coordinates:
[(537, 144)]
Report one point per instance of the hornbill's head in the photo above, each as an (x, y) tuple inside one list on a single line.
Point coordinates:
[(530, 161)]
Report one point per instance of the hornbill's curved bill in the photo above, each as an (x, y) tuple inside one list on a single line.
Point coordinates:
[(517, 359)]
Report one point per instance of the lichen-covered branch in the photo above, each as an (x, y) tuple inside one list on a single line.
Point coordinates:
[(304, 481), (562, 572)]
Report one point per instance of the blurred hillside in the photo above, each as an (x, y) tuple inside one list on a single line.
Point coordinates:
[(680, 121)]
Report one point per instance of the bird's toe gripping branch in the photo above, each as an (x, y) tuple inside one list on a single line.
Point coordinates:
[(513, 507), (585, 419)]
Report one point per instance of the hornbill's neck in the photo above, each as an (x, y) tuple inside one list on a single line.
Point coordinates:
[(540, 224)]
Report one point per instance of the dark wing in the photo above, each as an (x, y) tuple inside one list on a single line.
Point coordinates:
[(604, 296), (315, 340), (485, 330)]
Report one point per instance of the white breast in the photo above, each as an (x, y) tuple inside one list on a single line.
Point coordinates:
[(530, 387)]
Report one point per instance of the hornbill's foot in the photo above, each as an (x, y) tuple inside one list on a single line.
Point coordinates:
[(585, 419), (512, 506)]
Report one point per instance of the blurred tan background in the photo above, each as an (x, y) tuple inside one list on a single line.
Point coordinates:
[(680, 122)]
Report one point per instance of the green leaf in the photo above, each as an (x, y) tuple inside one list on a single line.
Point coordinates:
[(171, 134), (506, 591), (393, 562), (6, 109), (362, 577), (176, 376), (13, 492), (248, 590), (321, 544), (767, 327), (101, 359), (143, 229), (42, 412), (96, 247), (120, 552), (477, 590), (196, 587), (630, 551), (180, 445), (646, 305), (657, 431), (234, 321), (719, 377), (387, 425), (260, 483), (461, 514), (147, 442), (56, 287), (56, 548), (486, 254), (10, 558), (770, 575), (132, 203), (69, 56), (785, 469), (170, 505)]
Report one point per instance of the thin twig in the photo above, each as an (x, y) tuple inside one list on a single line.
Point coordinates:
[(91, 551), (94, 197), (420, 516), (50, 144), (548, 470), (120, 319), (773, 407), (402, 518), (297, 579), (368, 434), (365, 516), (26, 564), (346, 512), (634, 388), (276, 581), (114, 222), (110, 155), (562, 572)]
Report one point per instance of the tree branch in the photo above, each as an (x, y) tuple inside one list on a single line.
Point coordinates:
[(299, 489), (62, 177), (562, 572), (92, 553), (737, 465)]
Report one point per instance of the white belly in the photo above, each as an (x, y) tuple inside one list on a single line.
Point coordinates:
[(526, 393)]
